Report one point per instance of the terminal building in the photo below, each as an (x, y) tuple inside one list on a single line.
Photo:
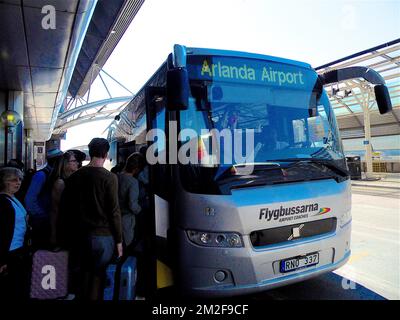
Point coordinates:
[(38, 86)]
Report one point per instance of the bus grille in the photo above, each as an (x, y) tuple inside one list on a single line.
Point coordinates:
[(280, 235)]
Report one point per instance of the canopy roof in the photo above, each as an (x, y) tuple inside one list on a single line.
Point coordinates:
[(348, 97)]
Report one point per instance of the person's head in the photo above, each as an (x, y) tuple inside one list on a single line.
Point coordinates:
[(53, 155), (80, 156), (15, 163), (10, 180), (98, 148), (68, 164), (134, 164), (63, 168)]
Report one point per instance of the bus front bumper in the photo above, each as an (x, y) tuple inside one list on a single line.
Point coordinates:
[(221, 272)]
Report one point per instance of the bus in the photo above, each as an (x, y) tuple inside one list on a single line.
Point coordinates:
[(248, 184)]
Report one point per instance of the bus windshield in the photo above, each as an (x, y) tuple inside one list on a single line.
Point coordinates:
[(281, 105)]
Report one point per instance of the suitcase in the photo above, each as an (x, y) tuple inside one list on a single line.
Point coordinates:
[(111, 275), (127, 284), (49, 275), (121, 280)]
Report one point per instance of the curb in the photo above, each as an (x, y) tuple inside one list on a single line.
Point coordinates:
[(374, 186)]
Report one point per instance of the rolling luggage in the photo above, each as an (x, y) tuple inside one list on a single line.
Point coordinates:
[(111, 275), (49, 275), (127, 284), (121, 280)]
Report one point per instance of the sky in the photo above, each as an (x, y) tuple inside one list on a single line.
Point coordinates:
[(313, 31)]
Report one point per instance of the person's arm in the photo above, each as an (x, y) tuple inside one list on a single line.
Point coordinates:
[(134, 196), (7, 224), (32, 195), (114, 213), (56, 193)]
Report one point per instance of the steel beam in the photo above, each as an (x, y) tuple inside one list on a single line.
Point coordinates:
[(94, 104)]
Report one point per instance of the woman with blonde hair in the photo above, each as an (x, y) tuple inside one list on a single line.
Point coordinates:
[(14, 258)]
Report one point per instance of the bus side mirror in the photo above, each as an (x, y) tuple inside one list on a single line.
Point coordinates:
[(382, 98), (177, 89), (381, 91)]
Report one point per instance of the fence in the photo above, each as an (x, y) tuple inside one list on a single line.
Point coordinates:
[(383, 166)]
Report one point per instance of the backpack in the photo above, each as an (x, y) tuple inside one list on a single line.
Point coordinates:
[(20, 195), (26, 182)]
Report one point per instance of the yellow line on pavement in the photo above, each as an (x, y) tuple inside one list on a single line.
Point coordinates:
[(357, 256)]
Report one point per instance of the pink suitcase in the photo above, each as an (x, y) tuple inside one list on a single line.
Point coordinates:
[(49, 275)]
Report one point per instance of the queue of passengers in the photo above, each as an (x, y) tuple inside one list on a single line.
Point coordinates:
[(87, 210)]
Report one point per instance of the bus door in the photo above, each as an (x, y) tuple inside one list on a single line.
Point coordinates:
[(157, 219)]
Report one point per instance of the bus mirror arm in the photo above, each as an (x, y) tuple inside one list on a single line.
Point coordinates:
[(177, 89), (381, 91)]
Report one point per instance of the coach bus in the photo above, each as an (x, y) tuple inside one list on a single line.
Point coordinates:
[(249, 185)]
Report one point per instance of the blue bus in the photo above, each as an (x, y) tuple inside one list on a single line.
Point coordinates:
[(249, 187)]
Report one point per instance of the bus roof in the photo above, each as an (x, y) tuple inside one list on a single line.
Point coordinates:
[(240, 54)]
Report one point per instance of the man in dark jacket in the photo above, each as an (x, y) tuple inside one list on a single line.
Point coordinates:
[(94, 220)]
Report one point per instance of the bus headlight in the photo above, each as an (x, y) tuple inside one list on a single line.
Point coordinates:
[(216, 239), (345, 219)]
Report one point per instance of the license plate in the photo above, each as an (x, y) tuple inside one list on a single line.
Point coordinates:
[(299, 262)]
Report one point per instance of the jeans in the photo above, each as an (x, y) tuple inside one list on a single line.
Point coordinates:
[(95, 254), (102, 249)]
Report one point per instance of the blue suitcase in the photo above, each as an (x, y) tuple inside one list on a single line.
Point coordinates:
[(121, 280), (127, 283), (110, 282)]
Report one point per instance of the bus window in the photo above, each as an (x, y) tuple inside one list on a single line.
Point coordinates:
[(299, 131), (316, 131)]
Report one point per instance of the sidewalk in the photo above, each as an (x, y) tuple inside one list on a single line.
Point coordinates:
[(383, 180)]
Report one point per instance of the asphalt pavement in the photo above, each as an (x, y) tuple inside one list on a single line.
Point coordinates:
[(375, 243), (373, 271)]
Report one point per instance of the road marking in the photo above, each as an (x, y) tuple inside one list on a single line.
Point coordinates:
[(357, 256)]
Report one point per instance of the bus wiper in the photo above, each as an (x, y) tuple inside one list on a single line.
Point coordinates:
[(246, 169), (326, 163)]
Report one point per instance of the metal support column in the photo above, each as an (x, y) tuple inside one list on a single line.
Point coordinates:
[(367, 139), (13, 126), (28, 157)]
